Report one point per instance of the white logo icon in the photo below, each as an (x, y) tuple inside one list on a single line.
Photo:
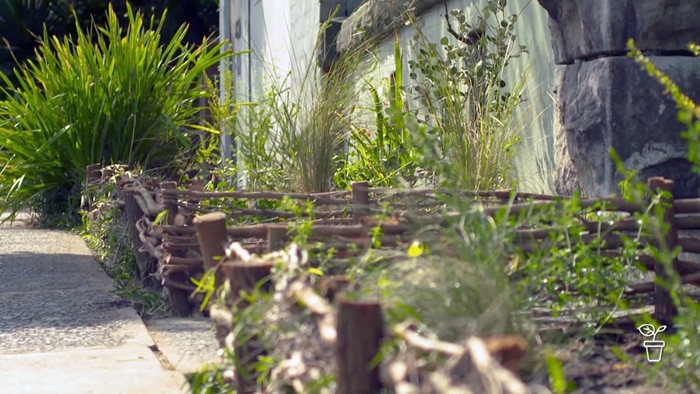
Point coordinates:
[(654, 348)]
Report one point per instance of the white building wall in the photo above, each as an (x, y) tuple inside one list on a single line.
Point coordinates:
[(281, 35), (267, 28)]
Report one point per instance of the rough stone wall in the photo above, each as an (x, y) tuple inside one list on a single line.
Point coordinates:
[(606, 101)]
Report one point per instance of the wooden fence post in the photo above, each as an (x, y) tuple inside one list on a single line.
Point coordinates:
[(133, 212), (664, 308), (360, 200), (276, 237), (245, 277), (360, 333), (179, 299), (211, 234)]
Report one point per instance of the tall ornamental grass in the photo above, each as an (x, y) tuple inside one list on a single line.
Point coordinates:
[(114, 95), (291, 136), (312, 121)]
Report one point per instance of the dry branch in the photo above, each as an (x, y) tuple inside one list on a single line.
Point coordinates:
[(429, 345), (325, 315), (234, 212), (316, 198), (472, 365), (503, 195), (318, 231), (180, 286)]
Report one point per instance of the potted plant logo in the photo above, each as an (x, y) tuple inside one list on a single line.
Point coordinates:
[(654, 348)]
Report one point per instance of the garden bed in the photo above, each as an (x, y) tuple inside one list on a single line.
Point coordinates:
[(324, 253)]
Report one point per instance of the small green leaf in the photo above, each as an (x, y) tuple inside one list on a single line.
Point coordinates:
[(557, 379)]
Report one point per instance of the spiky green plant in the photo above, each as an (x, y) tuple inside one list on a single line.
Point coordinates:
[(128, 98)]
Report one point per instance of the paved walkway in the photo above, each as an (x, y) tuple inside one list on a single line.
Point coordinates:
[(62, 330)]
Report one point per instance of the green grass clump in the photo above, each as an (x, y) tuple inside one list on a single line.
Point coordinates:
[(128, 98)]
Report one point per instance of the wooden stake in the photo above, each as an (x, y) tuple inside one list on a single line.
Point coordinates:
[(276, 237), (179, 298), (93, 174), (360, 333), (212, 236), (360, 200), (144, 261), (664, 308), (245, 277)]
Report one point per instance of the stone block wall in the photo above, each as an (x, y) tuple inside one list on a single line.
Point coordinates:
[(606, 101)]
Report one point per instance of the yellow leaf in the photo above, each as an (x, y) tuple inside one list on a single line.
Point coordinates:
[(415, 250), (514, 264), (316, 271)]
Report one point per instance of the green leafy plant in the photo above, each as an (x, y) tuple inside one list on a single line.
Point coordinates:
[(683, 347), (255, 136), (387, 154), (252, 127), (209, 380), (127, 99), (470, 136), (688, 111), (301, 229)]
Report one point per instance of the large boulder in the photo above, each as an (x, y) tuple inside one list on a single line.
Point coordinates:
[(585, 29), (612, 103)]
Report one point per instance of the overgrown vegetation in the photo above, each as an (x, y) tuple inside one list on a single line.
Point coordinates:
[(472, 282), (128, 99), (288, 139), (105, 229), (679, 370), (469, 135), (449, 123), (384, 154), (446, 117)]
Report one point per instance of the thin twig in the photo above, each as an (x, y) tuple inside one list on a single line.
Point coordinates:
[(472, 37)]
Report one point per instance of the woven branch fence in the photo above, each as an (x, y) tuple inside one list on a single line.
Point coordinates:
[(189, 237), (186, 230)]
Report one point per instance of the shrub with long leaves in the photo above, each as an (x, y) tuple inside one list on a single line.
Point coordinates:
[(128, 98), (312, 122)]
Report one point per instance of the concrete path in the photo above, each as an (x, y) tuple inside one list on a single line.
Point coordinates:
[(62, 330)]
